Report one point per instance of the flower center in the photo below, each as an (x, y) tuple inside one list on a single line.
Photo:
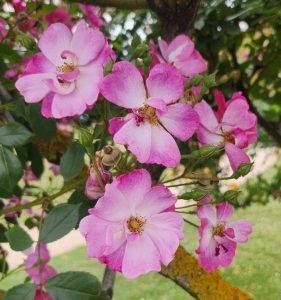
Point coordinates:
[(135, 224), (149, 114), (66, 68), (228, 137), (218, 230)]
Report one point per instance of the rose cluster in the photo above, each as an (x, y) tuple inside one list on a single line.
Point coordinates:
[(133, 227)]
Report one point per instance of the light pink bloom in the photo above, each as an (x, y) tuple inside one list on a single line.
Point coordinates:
[(233, 126), (14, 201), (181, 53), (67, 73), (219, 235), (154, 117), (36, 264), (3, 29), (93, 190), (16, 69), (59, 15), (55, 169), (133, 228), (42, 295), (91, 14)]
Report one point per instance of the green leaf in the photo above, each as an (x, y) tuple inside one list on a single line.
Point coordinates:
[(10, 169), (205, 151), (42, 127), (14, 135), (231, 196), (74, 285), (197, 194), (72, 162), (18, 239), (59, 222), (78, 197), (3, 238), (243, 170), (24, 291)]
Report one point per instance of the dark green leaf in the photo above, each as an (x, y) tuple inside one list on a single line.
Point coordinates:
[(74, 286), (205, 151), (3, 238), (10, 169), (14, 135), (243, 170), (196, 194), (4, 267), (72, 161), (18, 239), (24, 291), (59, 222), (42, 127)]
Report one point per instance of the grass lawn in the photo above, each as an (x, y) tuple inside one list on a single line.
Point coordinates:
[(256, 268)]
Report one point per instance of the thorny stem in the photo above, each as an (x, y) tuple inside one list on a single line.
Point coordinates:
[(40, 200), (191, 223)]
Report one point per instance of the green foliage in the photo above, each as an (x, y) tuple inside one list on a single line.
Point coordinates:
[(74, 285), (10, 169), (59, 222), (14, 135), (18, 239), (195, 194), (72, 161), (24, 291)]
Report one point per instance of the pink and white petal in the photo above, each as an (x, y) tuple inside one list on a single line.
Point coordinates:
[(33, 87), (39, 64), (124, 86), (180, 120), (224, 212), (207, 211), (113, 206), (227, 253), (93, 229), (141, 256), (159, 104), (164, 150), (68, 105), (207, 116), (115, 259), (138, 138), (236, 156), (54, 40), (165, 230), (181, 48), (58, 88), (206, 236), (89, 81), (241, 138), (46, 108), (86, 43), (165, 82), (237, 115), (163, 45), (156, 57), (116, 123), (242, 230), (134, 186), (158, 199), (252, 135), (193, 65), (206, 137), (207, 258)]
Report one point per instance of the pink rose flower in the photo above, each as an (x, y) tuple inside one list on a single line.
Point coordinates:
[(233, 126), (3, 29), (133, 228), (91, 14), (68, 71), (154, 114), (181, 53), (59, 15), (36, 265), (219, 235), (93, 190)]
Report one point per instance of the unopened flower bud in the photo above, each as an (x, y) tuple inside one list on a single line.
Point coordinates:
[(110, 155)]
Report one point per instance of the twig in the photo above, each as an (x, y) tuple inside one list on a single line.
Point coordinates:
[(108, 282)]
